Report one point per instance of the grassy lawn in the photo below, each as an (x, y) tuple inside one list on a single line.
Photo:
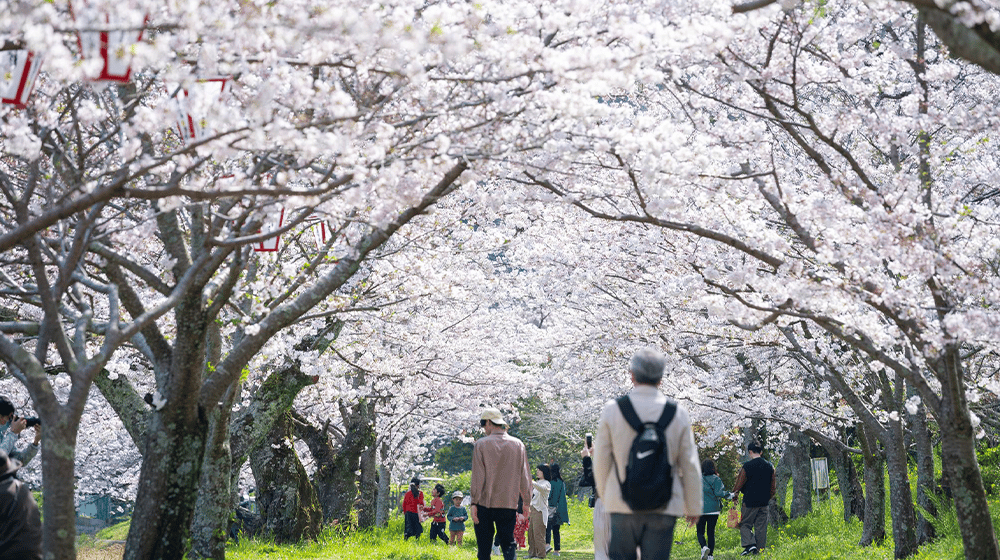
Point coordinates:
[(821, 535)]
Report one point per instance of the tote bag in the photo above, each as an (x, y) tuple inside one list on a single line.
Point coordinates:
[(733, 518)]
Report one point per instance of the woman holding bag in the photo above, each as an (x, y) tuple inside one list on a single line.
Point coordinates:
[(712, 490)]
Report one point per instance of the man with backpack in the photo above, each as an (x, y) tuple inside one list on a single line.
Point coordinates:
[(646, 467)]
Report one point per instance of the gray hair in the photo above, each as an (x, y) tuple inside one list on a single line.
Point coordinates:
[(647, 366)]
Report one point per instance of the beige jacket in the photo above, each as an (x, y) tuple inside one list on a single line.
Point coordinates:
[(500, 472), (614, 440)]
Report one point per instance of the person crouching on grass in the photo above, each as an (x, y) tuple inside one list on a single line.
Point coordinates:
[(456, 518), (436, 513)]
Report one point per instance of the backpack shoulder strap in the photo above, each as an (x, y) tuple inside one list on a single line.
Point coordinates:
[(628, 411), (669, 410)]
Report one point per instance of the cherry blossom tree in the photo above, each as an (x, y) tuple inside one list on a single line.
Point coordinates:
[(806, 148)]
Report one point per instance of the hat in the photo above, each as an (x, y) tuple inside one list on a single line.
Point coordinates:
[(8, 466), (493, 415), (458, 494)]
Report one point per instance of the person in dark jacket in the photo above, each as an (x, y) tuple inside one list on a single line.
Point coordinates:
[(558, 510), (20, 520), (602, 525), (712, 490), (758, 483)]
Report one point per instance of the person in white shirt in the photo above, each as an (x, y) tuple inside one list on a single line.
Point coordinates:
[(649, 531), (539, 511)]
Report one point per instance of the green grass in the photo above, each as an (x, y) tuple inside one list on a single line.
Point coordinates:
[(116, 532), (388, 544), (821, 535)]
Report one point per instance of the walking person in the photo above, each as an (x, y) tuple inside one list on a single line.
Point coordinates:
[(758, 483), (413, 502), (558, 510), (650, 528), (499, 477), (436, 513), (602, 523), (539, 511), (20, 520), (712, 491)]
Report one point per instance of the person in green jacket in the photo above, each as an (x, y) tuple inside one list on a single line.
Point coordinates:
[(558, 511), (712, 490)]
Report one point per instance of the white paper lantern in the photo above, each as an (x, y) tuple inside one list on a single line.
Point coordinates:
[(275, 220), (272, 222), (195, 104), (108, 36), (18, 70)]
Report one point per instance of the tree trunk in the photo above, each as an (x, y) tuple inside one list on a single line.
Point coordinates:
[(851, 492), (926, 477), (168, 484), (58, 516), (335, 478), (799, 447), (384, 476), (873, 529), (175, 444), (841, 462), (958, 457), (368, 486), (131, 409), (285, 496), (904, 520), (776, 514), (271, 401), (215, 504)]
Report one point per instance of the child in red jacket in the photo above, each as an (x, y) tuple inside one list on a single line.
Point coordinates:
[(436, 513), (413, 502)]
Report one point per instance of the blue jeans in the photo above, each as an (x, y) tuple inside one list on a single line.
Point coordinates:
[(652, 533), (497, 521)]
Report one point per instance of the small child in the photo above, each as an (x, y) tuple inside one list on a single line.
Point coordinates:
[(436, 513), (456, 517)]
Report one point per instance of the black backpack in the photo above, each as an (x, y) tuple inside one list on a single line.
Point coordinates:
[(649, 479)]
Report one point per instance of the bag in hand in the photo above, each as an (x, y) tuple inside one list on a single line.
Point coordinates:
[(733, 518)]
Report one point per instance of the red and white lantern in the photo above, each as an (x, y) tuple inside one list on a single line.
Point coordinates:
[(319, 230), (108, 36), (194, 105), (18, 70), (275, 221), (272, 222)]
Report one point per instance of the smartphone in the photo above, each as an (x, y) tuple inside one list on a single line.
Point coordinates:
[(590, 440)]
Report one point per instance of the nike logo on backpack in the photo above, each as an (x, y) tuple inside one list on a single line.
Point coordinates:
[(644, 454)]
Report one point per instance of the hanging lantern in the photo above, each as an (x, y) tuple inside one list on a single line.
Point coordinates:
[(109, 37), (276, 220), (18, 70), (319, 231), (272, 222), (194, 105)]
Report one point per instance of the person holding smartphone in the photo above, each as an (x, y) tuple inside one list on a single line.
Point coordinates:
[(10, 431), (602, 521)]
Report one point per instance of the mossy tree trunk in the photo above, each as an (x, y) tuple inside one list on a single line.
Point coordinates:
[(800, 445), (285, 496), (926, 477), (873, 528)]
